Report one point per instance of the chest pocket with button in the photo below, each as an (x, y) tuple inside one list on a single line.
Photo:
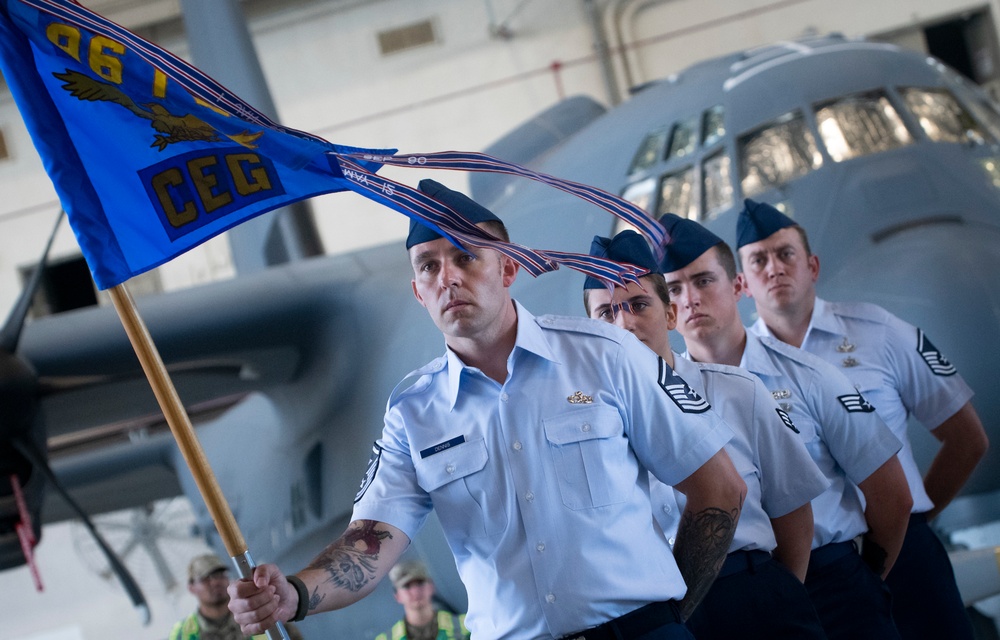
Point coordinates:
[(809, 431), (591, 456), (874, 387), (464, 489)]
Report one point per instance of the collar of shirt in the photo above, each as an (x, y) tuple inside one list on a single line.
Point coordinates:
[(756, 358), (530, 338), (823, 319), (690, 372)]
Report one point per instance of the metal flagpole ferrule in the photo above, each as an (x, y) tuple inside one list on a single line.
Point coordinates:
[(244, 566)]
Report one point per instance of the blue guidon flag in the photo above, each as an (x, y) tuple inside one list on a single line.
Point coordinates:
[(680, 392), (150, 157)]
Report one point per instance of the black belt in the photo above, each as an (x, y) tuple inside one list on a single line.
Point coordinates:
[(829, 553), (633, 624), (743, 561)]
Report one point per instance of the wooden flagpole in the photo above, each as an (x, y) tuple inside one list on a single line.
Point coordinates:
[(187, 441)]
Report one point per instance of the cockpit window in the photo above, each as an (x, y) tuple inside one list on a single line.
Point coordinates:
[(717, 184), (641, 194), (683, 139), (649, 151), (941, 116), (713, 126), (858, 125), (777, 153), (979, 102), (678, 195)]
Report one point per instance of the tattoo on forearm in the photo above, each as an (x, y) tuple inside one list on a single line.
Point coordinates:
[(874, 555), (314, 599), (350, 562), (703, 539)]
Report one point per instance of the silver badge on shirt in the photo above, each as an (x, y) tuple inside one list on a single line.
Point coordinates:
[(845, 346)]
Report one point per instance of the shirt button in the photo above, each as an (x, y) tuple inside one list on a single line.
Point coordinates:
[(450, 468), (517, 445), (666, 508), (529, 496), (504, 397), (550, 598), (671, 542), (586, 427), (540, 546)]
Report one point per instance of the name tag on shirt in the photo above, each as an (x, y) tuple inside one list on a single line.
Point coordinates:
[(444, 446)]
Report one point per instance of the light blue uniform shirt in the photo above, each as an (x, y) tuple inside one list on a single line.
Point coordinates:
[(842, 432), (894, 365), (766, 451), (541, 484)]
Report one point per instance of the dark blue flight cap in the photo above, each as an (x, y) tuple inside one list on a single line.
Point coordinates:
[(628, 246), (461, 203), (688, 241), (759, 220)]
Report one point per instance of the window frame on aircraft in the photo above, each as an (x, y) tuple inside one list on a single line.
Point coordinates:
[(710, 207), (974, 131), (716, 114), (693, 210), (691, 126), (888, 120), (814, 148), (984, 108), (685, 149), (650, 151), (642, 194)]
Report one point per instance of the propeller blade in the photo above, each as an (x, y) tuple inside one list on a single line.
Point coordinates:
[(31, 453), (10, 335)]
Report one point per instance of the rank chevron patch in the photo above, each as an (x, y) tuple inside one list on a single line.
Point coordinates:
[(787, 420), (856, 403), (370, 472), (934, 359), (683, 396)]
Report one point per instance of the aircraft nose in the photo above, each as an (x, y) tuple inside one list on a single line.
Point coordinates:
[(941, 277)]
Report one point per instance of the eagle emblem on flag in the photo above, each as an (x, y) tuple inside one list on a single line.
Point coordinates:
[(170, 128)]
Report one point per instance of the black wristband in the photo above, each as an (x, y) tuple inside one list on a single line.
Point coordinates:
[(300, 588)]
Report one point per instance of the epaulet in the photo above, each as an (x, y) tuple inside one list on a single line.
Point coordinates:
[(859, 311), (727, 369), (579, 324), (793, 353), (423, 376)]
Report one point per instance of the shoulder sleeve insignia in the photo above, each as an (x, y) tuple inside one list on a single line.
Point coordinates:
[(787, 420), (683, 396), (370, 471), (856, 403), (934, 359)]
